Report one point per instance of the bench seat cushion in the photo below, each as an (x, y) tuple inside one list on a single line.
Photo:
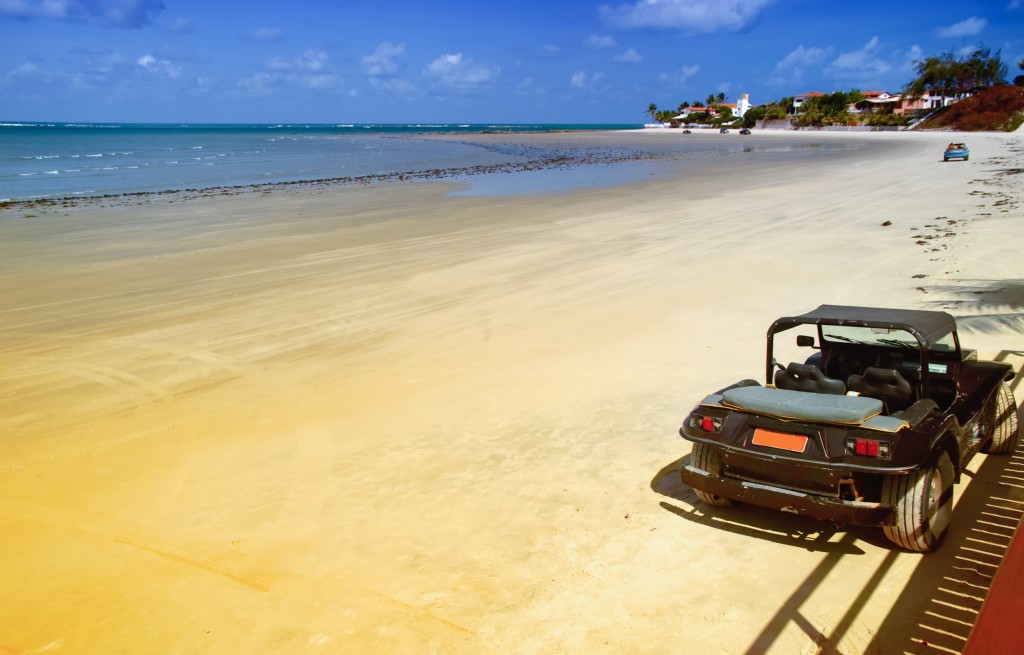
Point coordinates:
[(803, 405)]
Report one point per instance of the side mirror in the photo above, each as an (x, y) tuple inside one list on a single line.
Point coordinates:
[(805, 340)]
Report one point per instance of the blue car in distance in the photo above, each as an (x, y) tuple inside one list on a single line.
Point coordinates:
[(956, 151)]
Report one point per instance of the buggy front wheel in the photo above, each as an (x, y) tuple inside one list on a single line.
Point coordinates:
[(1000, 419)]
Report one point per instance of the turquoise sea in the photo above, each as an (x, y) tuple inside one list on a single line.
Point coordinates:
[(62, 160)]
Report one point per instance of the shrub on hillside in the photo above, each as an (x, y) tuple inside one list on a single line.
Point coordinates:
[(997, 108)]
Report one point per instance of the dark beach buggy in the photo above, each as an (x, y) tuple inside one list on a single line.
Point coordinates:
[(872, 429)]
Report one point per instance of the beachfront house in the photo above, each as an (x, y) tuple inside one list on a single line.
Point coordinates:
[(798, 101), (929, 102), (687, 112), (883, 100), (741, 106), (874, 101), (738, 108)]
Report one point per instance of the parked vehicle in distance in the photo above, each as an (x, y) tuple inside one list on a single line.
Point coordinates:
[(687, 132), (956, 151), (745, 131), (888, 455), (723, 131)]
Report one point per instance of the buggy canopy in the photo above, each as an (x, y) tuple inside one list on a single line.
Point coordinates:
[(928, 327)]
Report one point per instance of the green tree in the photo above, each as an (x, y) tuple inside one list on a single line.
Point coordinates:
[(652, 111), (832, 109), (665, 116), (755, 114), (1019, 80), (947, 74)]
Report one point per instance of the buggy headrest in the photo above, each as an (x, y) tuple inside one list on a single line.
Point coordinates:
[(806, 377), (885, 382)]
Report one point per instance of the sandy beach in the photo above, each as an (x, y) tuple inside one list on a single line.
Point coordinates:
[(382, 418)]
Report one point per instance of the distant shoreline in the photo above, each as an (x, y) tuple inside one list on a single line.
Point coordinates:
[(557, 162), (547, 150)]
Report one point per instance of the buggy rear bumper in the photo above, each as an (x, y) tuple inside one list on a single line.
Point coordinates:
[(824, 508)]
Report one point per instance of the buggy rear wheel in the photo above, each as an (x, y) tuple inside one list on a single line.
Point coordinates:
[(923, 501), (707, 459), (1000, 420)]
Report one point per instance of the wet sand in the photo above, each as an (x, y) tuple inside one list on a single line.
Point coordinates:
[(382, 418)]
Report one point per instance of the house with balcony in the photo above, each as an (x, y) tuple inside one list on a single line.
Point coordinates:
[(874, 101), (929, 102)]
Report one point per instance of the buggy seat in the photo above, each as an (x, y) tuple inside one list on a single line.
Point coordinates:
[(885, 384), (805, 377)]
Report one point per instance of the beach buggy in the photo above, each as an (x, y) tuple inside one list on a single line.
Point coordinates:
[(873, 428), (956, 151)]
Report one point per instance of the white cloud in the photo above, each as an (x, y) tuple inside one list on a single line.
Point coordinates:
[(381, 61), (679, 77), (793, 66), (694, 16), (160, 66), (863, 63), (600, 41), (910, 59), (458, 72), (57, 9), (310, 71), (117, 13), (969, 27), (550, 50), (630, 56), (581, 80), (311, 61), (266, 35)]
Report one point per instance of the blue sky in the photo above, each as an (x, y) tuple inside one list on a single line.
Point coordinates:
[(460, 61)]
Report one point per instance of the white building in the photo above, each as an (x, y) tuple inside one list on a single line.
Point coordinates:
[(742, 106), (738, 109)]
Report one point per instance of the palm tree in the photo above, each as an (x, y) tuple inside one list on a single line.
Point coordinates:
[(652, 111), (720, 98)]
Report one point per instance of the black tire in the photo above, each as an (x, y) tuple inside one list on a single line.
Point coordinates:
[(1000, 420), (923, 501), (707, 459), (966, 158)]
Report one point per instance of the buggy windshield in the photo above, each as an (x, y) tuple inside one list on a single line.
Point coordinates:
[(880, 336)]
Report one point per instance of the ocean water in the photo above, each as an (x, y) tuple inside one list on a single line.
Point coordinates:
[(64, 160)]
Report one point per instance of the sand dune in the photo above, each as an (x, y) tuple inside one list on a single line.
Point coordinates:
[(388, 419)]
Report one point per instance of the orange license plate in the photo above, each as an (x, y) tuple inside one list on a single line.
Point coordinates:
[(793, 442)]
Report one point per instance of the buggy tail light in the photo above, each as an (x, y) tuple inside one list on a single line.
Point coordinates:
[(706, 423), (867, 448)]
